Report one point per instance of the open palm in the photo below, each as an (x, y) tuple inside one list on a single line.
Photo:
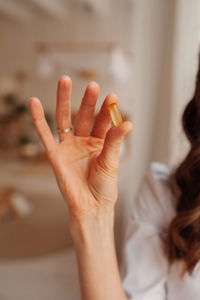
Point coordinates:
[(85, 162)]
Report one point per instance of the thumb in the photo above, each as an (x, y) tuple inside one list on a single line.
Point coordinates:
[(109, 156)]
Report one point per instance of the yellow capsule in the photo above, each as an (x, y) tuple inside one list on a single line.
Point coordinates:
[(115, 114)]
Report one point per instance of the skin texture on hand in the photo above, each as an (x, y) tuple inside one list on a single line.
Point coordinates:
[(85, 162)]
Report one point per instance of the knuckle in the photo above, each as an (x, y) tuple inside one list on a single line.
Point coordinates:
[(113, 145), (109, 168)]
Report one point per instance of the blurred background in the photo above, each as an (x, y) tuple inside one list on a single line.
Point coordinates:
[(144, 51)]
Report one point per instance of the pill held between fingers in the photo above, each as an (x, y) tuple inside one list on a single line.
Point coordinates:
[(115, 114)]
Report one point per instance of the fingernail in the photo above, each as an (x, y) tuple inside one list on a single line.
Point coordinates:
[(34, 99)]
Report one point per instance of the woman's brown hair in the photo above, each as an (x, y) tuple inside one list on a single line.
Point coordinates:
[(184, 230)]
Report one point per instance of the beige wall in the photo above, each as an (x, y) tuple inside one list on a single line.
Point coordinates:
[(177, 81), (185, 63), (163, 38), (19, 39), (151, 26)]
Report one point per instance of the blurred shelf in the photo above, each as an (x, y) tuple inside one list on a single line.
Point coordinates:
[(45, 229)]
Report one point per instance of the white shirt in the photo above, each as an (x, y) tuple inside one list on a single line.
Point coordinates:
[(146, 272)]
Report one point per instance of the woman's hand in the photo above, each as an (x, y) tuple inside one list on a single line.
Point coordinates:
[(85, 164), (86, 168)]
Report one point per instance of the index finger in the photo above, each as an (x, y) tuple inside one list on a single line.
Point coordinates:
[(41, 125)]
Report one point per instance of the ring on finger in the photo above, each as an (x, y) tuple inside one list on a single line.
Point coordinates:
[(64, 130)]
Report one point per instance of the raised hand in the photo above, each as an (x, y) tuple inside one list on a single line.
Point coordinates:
[(85, 163)]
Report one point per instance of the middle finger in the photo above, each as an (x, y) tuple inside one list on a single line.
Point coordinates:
[(85, 114)]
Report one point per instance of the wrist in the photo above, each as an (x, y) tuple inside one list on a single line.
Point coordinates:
[(93, 231), (96, 258)]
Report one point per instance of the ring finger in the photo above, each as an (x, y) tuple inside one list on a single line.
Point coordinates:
[(63, 106), (103, 121)]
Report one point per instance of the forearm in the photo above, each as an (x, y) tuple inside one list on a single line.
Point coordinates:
[(97, 262)]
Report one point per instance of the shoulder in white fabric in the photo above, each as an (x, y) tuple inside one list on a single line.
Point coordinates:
[(144, 267), (155, 202)]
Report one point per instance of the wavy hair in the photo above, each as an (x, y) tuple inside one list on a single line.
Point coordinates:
[(184, 231)]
